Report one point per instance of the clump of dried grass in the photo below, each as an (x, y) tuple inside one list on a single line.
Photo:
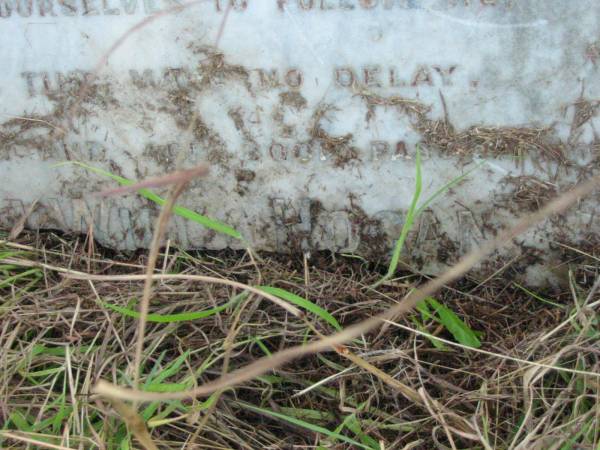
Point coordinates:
[(492, 141), (506, 391), (390, 390), (440, 134), (530, 193)]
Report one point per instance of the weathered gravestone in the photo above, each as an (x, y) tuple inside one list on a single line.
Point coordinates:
[(309, 113)]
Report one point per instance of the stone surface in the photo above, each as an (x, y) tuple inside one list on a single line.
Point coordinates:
[(309, 113)]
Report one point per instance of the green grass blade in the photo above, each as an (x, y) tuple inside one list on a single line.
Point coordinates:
[(169, 318), (302, 303), (156, 367), (414, 212), (161, 419), (170, 370), (19, 420), (308, 414), (166, 387), (351, 422), (406, 227), (354, 425), (435, 342), (149, 413), (43, 373), (125, 443), (306, 425), (11, 254), (537, 297), (445, 187), (39, 349), (62, 415), (423, 308), (12, 279), (454, 324), (262, 346), (200, 219)]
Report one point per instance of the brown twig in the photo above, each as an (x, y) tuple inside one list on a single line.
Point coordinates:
[(262, 365), (74, 275), (182, 176), (161, 227), (85, 86), (135, 423)]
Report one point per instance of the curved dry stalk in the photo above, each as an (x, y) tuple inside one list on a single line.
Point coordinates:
[(121, 40), (161, 227), (181, 176), (41, 444), (334, 341), (73, 275), (135, 424), (85, 87)]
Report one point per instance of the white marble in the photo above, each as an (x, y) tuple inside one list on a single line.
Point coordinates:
[(299, 103)]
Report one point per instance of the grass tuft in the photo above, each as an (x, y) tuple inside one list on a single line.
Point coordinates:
[(522, 370)]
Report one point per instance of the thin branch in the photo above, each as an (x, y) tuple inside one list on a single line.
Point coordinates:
[(263, 365)]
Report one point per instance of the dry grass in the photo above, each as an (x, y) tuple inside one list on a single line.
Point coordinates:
[(530, 193), (64, 327), (511, 142), (58, 339)]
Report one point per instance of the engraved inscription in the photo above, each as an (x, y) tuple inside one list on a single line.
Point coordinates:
[(107, 8), (368, 5), (427, 241), (308, 112), (81, 8), (469, 232), (376, 76), (293, 223), (334, 231)]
